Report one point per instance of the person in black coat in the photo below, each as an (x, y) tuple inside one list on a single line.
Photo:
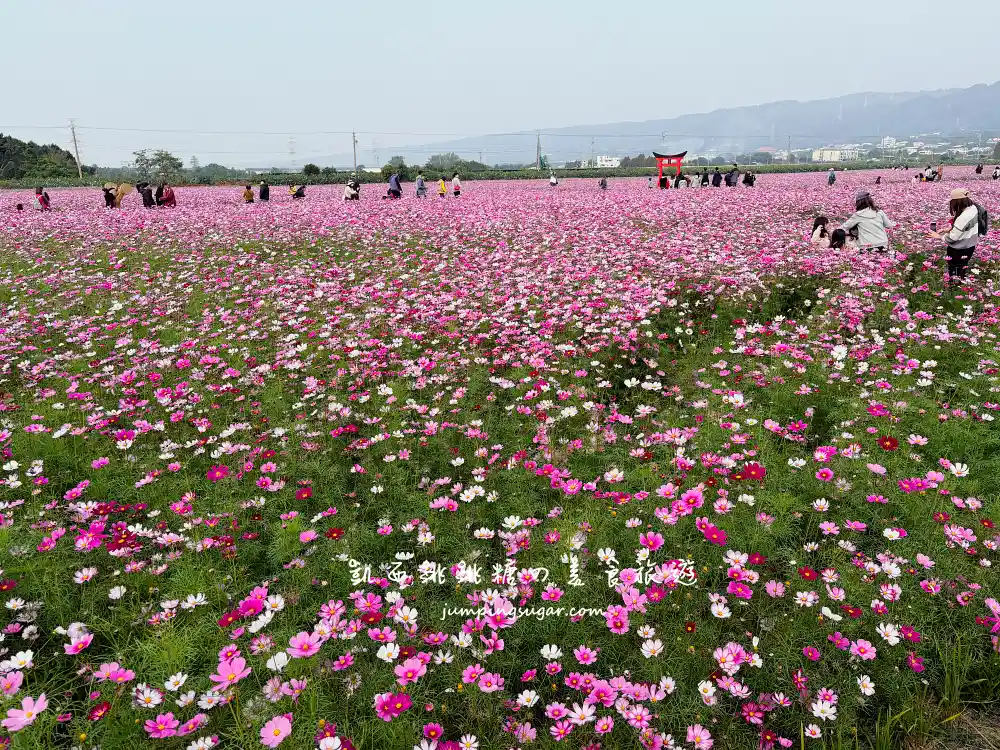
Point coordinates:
[(717, 178), (265, 191), (158, 196), (109, 197)]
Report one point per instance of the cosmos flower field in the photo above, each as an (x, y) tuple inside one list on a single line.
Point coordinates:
[(529, 468)]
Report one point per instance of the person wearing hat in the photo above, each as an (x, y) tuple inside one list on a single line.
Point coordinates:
[(870, 222), (962, 238), (265, 191), (831, 177)]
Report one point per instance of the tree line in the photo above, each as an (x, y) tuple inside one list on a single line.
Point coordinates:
[(21, 160)]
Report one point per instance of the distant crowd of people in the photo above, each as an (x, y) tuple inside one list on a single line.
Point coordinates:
[(163, 195), (703, 179)]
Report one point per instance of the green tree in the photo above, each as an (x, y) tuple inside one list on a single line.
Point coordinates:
[(543, 162), (195, 165), (329, 171), (310, 170), (27, 159), (396, 161), (996, 152), (442, 161), (158, 165)]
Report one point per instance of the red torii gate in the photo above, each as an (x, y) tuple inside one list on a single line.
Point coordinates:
[(671, 160)]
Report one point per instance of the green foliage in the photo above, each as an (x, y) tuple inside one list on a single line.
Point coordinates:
[(443, 161), (158, 165), (28, 160), (310, 170)]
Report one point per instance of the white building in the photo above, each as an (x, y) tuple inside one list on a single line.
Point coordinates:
[(608, 162), (889, 142), (835, 154)]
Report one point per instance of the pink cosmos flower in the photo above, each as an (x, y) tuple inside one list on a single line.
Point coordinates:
[(863, 650), (10, 683), (78, 644), (164, 725), (229, 672), (490, 682), (18, 718), (700, 737), (651, 540), (273, 733), (409, 671), (303, 645), (472, 673)]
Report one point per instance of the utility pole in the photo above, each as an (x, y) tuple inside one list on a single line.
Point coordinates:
[(538, 151), (76, 148), (593, 154), (291, 152), (789, 147), (354, 145)]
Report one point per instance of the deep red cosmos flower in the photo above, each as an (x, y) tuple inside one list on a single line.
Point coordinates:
[(888, 443)]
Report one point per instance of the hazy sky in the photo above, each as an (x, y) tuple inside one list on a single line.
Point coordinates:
[(399, 70)]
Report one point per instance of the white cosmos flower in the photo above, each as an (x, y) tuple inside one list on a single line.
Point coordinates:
[(824, 710), (651, 648), (866, 685), (278, 662), (527, 699), (551, 652), (175, 682)]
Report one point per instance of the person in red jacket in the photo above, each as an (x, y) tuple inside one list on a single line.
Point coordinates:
[(42, 202), (169, 199)]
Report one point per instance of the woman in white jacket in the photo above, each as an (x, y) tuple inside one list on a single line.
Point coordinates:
[(963, 236), (871, 223)]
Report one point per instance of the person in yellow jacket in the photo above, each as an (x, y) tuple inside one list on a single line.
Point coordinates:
[(247, 195), (442, 188)]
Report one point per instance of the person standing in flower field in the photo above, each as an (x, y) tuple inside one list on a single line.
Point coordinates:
[(265, 191), (168, 199), (421, 186), (871, 223), (831, 177), (247, 194), (442, 188), (968, 223), (456, 185)]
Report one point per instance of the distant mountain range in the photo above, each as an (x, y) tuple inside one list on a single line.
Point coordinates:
[(854, 118)]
